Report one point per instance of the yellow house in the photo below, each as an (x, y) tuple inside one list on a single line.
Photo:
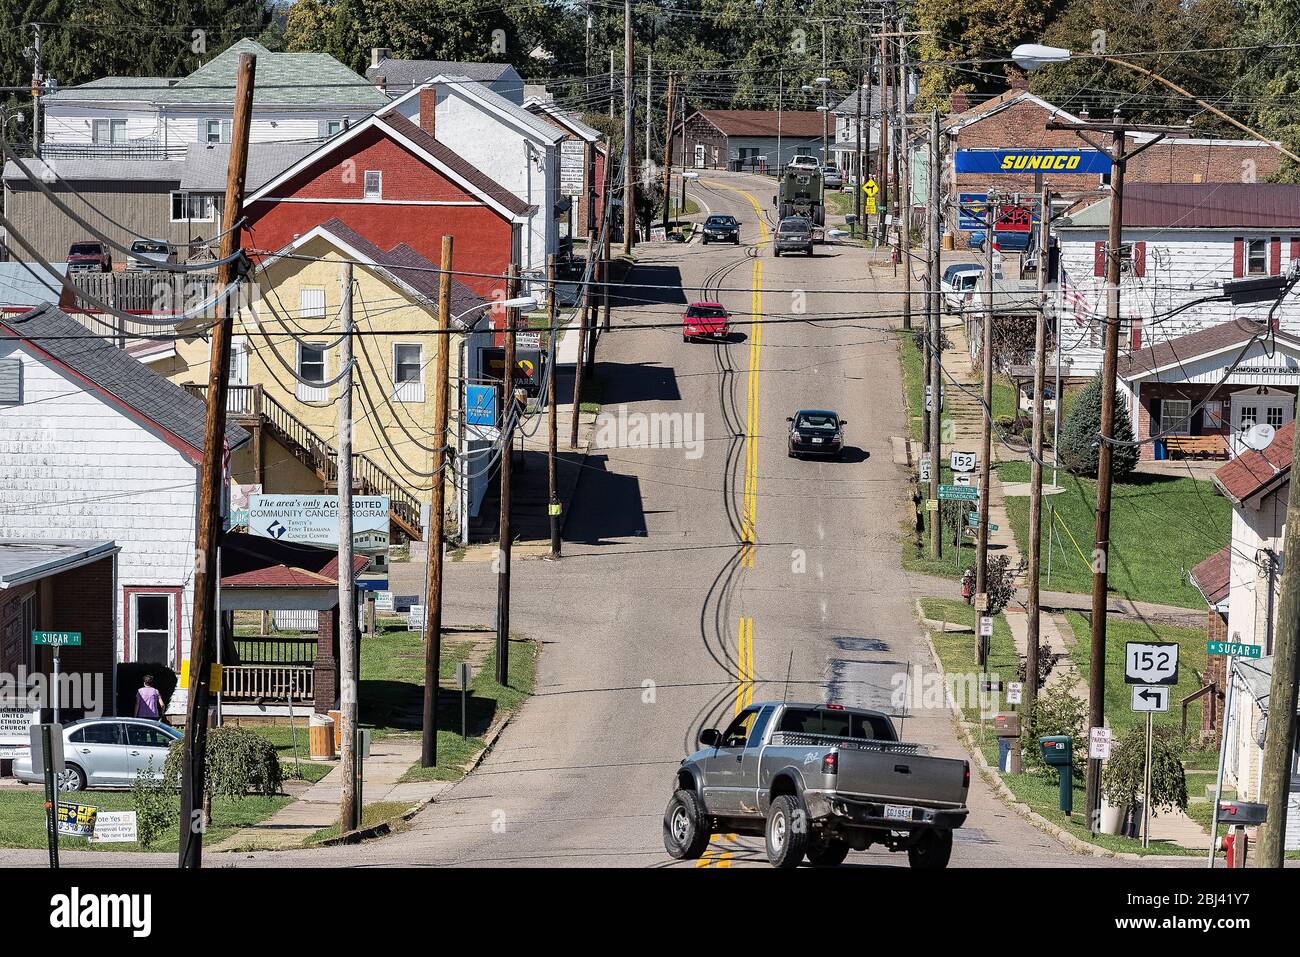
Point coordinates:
[(285, 360)]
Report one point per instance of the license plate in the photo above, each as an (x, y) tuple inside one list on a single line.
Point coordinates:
[(817, 441), (898, 812)]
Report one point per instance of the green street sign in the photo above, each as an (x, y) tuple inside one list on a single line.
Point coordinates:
[(57, 639), (959, 493), (1234, 648), (973, 520)]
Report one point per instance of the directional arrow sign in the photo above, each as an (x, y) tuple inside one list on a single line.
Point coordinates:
[(1150, 698)]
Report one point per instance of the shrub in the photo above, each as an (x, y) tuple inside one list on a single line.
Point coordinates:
[(1000, 582), (1056, 711), (156, 807), (1122, 777), (239, 762), (1079, 435), (1046, 662)]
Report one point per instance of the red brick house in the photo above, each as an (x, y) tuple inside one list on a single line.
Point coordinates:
[(393, 182)]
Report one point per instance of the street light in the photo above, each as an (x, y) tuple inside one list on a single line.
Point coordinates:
[(1035, 56)]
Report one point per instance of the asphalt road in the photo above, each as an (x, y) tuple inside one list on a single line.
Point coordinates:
[(658, 619)]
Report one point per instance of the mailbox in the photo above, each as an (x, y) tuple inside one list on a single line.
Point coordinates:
[(1235, 813), (1007, 725), (1058, 750)]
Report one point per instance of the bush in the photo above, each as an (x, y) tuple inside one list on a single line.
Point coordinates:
[(1000, 582), (156, 807), (1047, 660), (1055, 711), (1079, 435), (239, 762), (1122, 777)]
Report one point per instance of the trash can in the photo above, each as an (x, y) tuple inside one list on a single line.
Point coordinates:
[(1161, 452), (337, 718), (321, 737), (1004, 753)]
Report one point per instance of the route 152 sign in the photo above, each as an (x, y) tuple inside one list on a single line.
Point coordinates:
[(1151, 663), (962, 461)]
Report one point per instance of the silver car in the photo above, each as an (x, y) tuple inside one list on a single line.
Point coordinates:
[(106, 753), (832, 176)]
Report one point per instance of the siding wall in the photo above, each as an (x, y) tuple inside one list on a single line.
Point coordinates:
[(177, 129), (74, 466)]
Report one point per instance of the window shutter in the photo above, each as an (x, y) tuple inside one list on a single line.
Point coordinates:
[(225, 131), (202, 131), (1099, 259), (1295, 248), (1135, 334), (1140, 258), (1275, 256), (1238, 258), (11, 381)]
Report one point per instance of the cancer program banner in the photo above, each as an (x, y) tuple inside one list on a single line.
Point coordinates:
[(314, 520)]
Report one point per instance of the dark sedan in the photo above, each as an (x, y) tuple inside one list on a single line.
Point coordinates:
[(721, 229), (816, 432)]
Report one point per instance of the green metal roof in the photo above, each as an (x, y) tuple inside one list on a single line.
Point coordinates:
[(1092, 217)]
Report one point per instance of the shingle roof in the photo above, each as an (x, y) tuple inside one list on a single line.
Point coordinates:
[(566, 119), (1212, 576), (112, 370), (456, 163), (206, 165), (793, 123), (19, 287), (82, 170), (1182, 349), (110, 88), (413, 72), (1253, 471), (1199, 206), (251, 561), (409, 267)]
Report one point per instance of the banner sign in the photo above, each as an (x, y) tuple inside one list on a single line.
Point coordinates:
[(76, 820), (971, 211), (1054, 162), (314, 520)]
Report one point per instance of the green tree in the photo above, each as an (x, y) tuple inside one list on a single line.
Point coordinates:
[(1269, 80), (1079, 435), (1123, 777)]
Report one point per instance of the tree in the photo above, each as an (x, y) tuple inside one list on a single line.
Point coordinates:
[(1123, 778), (1079, 436), (239, 762), (1270, 80)]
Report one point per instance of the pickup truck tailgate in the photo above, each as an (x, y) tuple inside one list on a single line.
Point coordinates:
[(893, 772)]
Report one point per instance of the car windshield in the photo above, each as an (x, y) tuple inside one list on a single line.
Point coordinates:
[(720, 221), (815, 422), (84, 249), (141, 246), (706, 312)]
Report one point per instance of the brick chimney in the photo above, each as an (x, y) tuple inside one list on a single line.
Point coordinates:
[(428, 108), (381, 81), (959, 102)]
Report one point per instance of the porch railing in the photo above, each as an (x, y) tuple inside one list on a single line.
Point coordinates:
[(268, 682)]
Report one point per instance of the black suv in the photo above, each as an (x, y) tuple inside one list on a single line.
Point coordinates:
[(722, 229)]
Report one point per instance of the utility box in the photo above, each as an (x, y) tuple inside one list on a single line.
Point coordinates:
[(1007, 725), (1057, 750), (1235, 813)]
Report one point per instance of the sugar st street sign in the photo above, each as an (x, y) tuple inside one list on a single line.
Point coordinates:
[(57, 639), (959, 493), (1151, 663), (1234, 648)]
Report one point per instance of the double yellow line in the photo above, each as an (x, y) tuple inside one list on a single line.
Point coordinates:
[(718, 857), (749, 507), (745, 665)]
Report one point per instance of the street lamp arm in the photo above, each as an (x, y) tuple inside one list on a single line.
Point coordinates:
[(1196, 99)]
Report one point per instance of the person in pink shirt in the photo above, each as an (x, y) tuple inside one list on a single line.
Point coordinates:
[(148, 702)]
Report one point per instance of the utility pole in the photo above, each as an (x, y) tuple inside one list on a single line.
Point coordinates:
[(437, 506), (38, 84), (1279, 731), (1036, 455), (905, 186), (211, 482), (553, 507), (780, 98), (606, 229), (882, 161), (857, 155), (986, 438), (825, 145), (508, 411), (629, 177), (589, 308), (1120, 155), (934, 314), (668, 153), (681, 145), (350, 803), (584, 332), (611, 83), (649, 86)]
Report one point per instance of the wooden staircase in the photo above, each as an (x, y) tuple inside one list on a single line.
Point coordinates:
[(251, 407)]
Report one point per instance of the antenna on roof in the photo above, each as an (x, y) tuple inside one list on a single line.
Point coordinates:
[(786, 694), (1258, 437)]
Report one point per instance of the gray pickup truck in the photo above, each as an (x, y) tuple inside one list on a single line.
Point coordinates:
[(817, 780)]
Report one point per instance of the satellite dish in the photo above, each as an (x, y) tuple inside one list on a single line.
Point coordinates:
[(1258, 437)]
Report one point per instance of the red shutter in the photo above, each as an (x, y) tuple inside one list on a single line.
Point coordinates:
[(1275, 256), (1140, 258), (1238, 258), (1295, 248), (1099, 259), (1135, 334)]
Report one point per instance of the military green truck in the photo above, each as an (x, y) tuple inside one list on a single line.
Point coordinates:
[(800, 193)]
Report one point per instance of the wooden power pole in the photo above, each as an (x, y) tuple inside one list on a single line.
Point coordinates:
[(934, 312), (668, 153), (553, 497), (211, 480), (1036, 455), (349, 761), (437, 507), (629, 106), (508, 412), (986, 437)]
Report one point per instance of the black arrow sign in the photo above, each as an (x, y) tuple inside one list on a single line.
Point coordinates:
[(1147, 695)]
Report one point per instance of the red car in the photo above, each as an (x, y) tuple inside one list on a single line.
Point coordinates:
[(705, 320), (89, 257)]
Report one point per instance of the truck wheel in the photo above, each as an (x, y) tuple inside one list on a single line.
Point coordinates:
[(829, 852), (776, 252), (932, 852), (787, 832), (686, 832)]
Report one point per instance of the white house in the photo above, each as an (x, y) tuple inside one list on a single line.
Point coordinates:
[(506, 142), (296, 97), (94, 445)]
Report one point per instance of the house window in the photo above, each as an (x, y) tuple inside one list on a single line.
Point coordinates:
[(1249, 416), (1212, 415), (333, 127), (195, 207), (1273, 416), (108, 132), (213, 131), (408, 363), (1256, 257), (152, 626), (311, 368), (1175, 415), (374, 184)]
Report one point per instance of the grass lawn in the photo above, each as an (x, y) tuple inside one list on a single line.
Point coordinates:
[(282, 736), (913, 362), (371, 815), (949, 565), (22, 818), (956, 651), (1182, 515), (839, 203)]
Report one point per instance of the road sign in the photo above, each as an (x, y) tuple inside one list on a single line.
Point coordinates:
[(932, 505), (1099, 742), (54, 760), (57, 639), (1148, 698), (464, 675), (1234, 648), (959, 493), (982, 601), (986, 626), (1015, 692), (929, 393), (925, 468), (962, 461), (528, 340), (871, 189), (963, 478), (1151, 663)]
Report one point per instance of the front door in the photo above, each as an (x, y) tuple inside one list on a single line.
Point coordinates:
[(1269, 407), (699, 156), (722, 769)]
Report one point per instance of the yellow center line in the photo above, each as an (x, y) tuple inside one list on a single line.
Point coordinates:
[(744, 662)]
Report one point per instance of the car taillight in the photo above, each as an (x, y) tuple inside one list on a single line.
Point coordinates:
[(965, 776), (831, 763)]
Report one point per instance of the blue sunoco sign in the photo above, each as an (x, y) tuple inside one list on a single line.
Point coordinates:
[(1053, 162)]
